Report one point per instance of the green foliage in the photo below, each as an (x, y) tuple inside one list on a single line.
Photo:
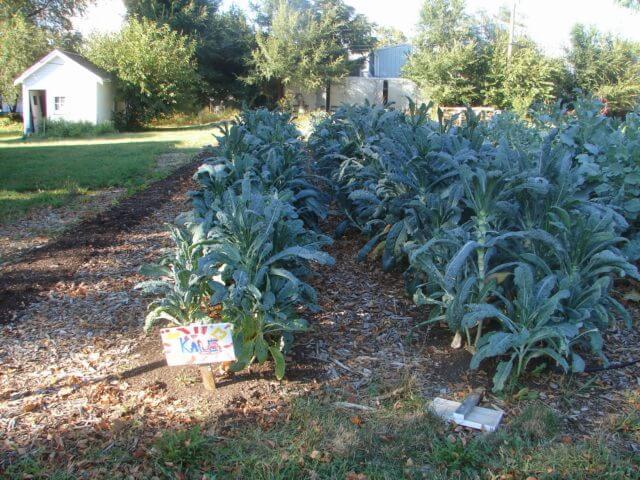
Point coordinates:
[(52, 15), (459, 59), (389, 36), (182, 286), (203, 117), (512, 240), (449, 60), (246, 247), (528, 77), (67, 129), (606, 66), (223, 41), (308, 43), (154, 66), (21, 45)]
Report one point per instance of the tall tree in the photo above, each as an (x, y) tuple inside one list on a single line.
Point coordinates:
[(223, 39), (449, 61), (605, 65), (154, 66), (308, 43), (21, 44), (54, 15), (389, 36)]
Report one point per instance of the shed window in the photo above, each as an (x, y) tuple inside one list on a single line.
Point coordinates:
[(58, 103)]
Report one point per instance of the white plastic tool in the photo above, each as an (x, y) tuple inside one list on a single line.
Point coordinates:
[(467, 413)]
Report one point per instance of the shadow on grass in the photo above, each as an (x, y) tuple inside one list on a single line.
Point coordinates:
[(15, 204), (309, 438), (178, 128)]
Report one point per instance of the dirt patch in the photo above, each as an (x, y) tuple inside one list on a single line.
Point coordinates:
[(173, 160), (41, 226), (38, 271)]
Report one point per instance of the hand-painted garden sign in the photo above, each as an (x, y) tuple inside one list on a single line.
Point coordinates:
[(198, 344)]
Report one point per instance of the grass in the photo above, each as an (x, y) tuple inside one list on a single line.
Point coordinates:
[(400, 439), (37, 173)]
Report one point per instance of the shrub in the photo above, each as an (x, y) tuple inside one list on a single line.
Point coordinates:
[(202, 117), (67, 129), (154, 66)]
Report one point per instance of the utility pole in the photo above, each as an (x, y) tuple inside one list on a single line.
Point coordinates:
[(512, 28)]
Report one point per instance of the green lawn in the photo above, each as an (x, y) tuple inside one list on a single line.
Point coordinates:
[(37, 173), (399, 439)]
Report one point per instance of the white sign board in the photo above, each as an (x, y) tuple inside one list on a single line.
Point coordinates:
[(198, 344)]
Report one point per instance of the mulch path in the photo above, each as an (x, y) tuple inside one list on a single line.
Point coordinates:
[(79, 378), (37, 272)]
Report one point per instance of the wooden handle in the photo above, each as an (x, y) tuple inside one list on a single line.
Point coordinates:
[(467, 405)]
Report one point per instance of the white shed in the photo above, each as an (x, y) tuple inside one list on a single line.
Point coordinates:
[(65, 86)]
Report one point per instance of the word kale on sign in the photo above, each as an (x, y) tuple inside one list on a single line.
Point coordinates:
[(198, 344)]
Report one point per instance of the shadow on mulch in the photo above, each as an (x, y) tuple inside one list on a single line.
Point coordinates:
[(37, 271)]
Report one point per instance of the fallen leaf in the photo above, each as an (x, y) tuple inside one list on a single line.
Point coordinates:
[(356, 420), (355, 476), (31, 406)]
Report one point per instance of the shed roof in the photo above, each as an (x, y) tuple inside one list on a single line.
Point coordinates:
[(100, 74)]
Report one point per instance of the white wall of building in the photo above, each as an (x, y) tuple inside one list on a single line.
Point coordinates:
[(86, 99), (357, 90)]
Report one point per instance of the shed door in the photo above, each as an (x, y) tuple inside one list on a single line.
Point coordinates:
[(37, 100)]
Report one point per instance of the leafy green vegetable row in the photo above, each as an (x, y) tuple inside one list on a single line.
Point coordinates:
[(508, 233), (243, 252)]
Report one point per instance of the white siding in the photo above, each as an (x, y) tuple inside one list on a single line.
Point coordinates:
[(356, 90), (85, 98), (105, 102)]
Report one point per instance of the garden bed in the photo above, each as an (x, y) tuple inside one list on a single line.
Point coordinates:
[(82, 387), (85, 393)]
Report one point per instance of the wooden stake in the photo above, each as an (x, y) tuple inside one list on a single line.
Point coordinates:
[(208, 379)]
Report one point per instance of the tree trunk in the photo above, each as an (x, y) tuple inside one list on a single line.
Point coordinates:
[(327, 105)]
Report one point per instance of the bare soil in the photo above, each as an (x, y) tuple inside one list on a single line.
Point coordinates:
[(36, 272), (42, 225)]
